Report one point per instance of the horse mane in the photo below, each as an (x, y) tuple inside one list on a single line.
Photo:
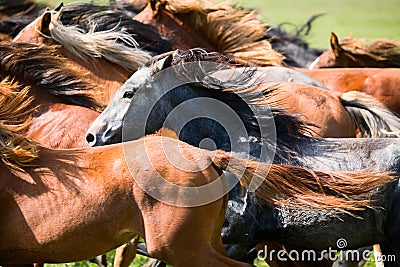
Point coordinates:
[(289, 127), (116, 17), (386, 52), (165, 132), (19, 7), (98, 44), (43, 67), (234, 32), (16, 151), (13, 25)]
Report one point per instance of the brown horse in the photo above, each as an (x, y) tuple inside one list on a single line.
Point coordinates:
[(64, 104), (103, 76), (353, 53), (381, 83), (335, 114), (215, 27), (54, 201), (95, 55), (326, 117)]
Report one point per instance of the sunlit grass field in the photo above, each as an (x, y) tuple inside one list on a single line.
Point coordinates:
[(371, 19)]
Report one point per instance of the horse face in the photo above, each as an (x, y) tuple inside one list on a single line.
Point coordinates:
[(107, 128)]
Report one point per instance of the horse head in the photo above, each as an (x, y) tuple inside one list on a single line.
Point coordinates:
[(107, 128), (352, 53), (38, 31)]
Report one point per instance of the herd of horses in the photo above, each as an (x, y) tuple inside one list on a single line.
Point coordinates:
[(98, 101)]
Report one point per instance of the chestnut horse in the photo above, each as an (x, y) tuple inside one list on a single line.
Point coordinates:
[(96, 55), (353, 53), (54, 201), (329, 119), (381, 83), (64, 104), (214, 27)]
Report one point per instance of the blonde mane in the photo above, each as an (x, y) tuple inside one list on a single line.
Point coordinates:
[(232, 31), (379, 50), (16, 151), (99, 44)]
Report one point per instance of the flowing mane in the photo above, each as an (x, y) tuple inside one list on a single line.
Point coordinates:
[(115, 17), (97, 44), (16, 151), (42, 66), (289, 127), (232, 31), (386, 52)]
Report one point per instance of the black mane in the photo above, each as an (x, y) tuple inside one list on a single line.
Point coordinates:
[(117, 17)]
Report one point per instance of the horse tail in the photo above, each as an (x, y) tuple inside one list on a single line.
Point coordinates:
[(297, 187), (371, 117)]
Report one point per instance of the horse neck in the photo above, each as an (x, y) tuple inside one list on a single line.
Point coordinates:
[(41, 97), (182, 36), (200, 129), (57, 124), (106, 76)]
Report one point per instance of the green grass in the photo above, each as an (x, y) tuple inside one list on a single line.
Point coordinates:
[(370, 19), (363, 18)]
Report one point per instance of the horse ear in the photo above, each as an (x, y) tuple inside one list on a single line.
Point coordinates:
[(43, 22), (336, 48), (165, 62)]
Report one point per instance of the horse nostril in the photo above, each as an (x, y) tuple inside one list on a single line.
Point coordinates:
[(90, 138)]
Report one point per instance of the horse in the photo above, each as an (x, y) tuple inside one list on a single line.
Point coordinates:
[(215, 27), (94, 53), (331, 114), (247, 222), (353, 53), (51, 203), (63, 99), (114, 78), (110, 76), (68, 12), (381, 83)]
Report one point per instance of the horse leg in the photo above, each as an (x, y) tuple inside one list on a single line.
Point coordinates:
[(125, 254), (189, 237), (216, 240)]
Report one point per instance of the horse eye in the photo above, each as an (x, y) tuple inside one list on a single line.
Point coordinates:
[(128, 94)]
